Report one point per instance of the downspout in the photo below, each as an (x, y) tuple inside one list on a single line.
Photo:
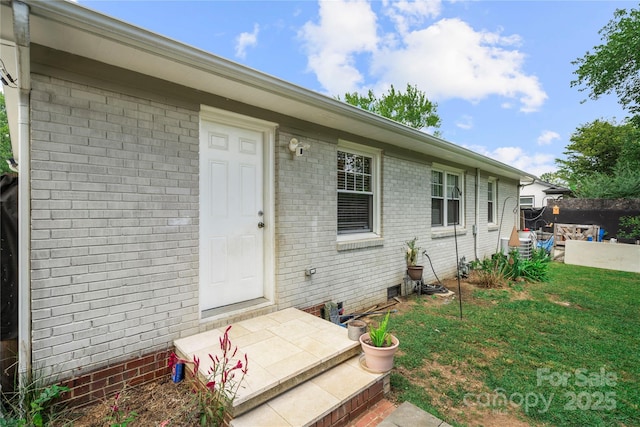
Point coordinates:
[(477, 220), (22, 40)]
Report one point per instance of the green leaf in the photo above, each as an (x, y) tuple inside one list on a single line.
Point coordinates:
[(411, 108)]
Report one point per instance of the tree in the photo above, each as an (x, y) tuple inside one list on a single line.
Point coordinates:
[(554, 178), (614, 66), (630, 151), (599, 147), (411, 108), (5, 140), (624, 183)]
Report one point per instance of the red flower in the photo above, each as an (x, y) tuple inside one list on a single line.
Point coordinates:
[(173, 360), (196, 364), (246, 364)]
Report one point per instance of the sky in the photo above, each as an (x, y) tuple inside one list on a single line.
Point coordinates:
[(499, 71)]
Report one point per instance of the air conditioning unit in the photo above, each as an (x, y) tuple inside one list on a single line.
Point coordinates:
[(525, 249)]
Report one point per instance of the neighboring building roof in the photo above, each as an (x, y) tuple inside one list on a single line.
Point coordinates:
[(72, 28), (553, 188)]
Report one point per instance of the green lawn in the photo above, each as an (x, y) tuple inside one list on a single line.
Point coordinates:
[(562, 353)]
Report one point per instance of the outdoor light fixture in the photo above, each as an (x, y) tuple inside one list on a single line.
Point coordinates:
[(298, 147)]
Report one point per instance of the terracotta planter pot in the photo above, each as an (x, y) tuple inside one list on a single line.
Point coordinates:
[(415, 271), (379, 359)]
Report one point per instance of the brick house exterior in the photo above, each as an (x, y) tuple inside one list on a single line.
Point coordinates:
[(113, 168)]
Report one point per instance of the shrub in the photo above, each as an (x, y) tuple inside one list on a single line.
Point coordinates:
[(536, 269), (629, 227), (490, 271), (495, 271), (32, 405)]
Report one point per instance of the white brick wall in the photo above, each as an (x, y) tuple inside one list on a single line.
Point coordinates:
[(115, 223), (112, 273), (306, 228)]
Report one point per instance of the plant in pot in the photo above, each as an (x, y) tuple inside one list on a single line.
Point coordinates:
[(411, 256), (379, 347)]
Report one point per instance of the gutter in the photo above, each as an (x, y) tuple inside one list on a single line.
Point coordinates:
[(22, 39), (81, 21)]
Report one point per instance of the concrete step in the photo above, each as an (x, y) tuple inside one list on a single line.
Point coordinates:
[(333, 398), (284, 350)]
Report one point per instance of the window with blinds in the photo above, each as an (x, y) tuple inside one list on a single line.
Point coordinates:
[(446, 208), (453, 199), (355, 193), (491, 201), (437, 198)]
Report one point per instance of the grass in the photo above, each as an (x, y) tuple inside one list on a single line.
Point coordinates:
[(571, 342)]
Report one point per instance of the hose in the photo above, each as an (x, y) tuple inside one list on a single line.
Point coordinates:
[(432, 269)]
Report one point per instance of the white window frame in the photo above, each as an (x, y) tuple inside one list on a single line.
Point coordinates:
[(445, 171), (527, 205), (494, 200), (375, 155)]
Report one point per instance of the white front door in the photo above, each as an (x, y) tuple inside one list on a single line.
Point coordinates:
[(231, 214)]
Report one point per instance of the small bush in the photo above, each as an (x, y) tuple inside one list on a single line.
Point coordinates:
[(490, 272), (536, 269), (629, 227), (497, 270), (32, 405)]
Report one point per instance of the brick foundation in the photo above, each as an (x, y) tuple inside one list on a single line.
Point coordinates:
[(354, 407), (316, 310), (106, 381)]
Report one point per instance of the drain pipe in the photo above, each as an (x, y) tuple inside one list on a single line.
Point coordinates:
[(22, 39), (477, 219)]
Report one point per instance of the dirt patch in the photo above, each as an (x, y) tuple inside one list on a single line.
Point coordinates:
[(520, 296), (154, 404), (556, 300), (439, 380), (490, 353)]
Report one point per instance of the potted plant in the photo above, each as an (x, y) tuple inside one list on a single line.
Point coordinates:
[(411, 256), (379, 347)]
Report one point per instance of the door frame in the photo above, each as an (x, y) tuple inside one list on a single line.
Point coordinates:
[(268, 130)]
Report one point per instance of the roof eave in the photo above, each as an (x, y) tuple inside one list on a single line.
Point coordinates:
[(77, 30)]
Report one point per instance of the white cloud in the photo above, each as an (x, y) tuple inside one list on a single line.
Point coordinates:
[(447, 59), (245, 40), (406, 14), (465, 122), (547, 137), (536, 163), (346, 28)]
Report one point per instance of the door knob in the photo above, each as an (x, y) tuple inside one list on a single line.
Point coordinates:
[(261, 224)]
